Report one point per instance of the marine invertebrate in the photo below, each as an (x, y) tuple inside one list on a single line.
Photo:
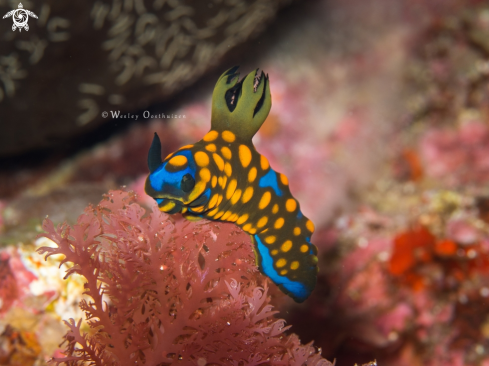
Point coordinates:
[(164, 290), (222, 177)]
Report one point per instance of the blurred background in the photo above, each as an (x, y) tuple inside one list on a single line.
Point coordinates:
[(380, 119)]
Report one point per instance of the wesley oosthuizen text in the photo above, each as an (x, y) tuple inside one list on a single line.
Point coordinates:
[(145, 115)]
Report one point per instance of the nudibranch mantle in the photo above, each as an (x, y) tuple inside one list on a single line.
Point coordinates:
[(222, 177)]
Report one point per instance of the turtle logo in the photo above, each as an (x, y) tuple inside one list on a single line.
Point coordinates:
[(20, 17)]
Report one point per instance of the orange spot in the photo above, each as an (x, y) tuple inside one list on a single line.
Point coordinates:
[(264, 162), (265, 200), (414, 164), (226, 152), (410, 248), (284, 179), (211, 148), (290, 205), (244, 155), (310, 226), (248, 193), (219, 161), (178, 160), (211, 136), (228, 169), (252, 175), (205, 174), (445, 247), (228, 136), (201, 158)]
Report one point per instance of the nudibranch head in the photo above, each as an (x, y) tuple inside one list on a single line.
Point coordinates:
[(178, 180)]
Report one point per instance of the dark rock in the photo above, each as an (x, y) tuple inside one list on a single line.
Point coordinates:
[(81, 58)]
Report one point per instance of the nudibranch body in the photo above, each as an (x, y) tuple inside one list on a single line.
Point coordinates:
[(222, 177)]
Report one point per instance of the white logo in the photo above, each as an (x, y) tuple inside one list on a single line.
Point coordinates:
[(20, 17)]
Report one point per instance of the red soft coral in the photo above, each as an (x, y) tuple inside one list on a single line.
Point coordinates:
[(165, 290)]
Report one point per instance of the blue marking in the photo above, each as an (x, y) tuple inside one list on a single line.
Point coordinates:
[(159, 200), (299, 290), (207, 193), (299, 214), (162, 180), (270, 180)]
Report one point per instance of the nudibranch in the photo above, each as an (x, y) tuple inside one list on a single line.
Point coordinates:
[(222, 177)]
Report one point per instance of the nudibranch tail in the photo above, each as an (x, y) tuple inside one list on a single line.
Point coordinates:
[(241, 106), (223, 178)]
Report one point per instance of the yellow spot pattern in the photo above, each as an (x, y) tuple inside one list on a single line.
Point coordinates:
[(226, 152), (219, 200), (219, 162), (281, 262), (247, 227), (297, 231), (214, 181), (213, 212), (290, 205), (274, 252), (205, 174), (242, 219), (252, 175), (226, 215), (262, 222), (178, 160), (201, 158), (279, 223), (283, 272), (227, 169), (270, 239), (284, 179), (275, 208), (186, 147), (286, 246), (248, 193), (197, 209), (244, 155), (236, 196), (210, 136), (265, 200), (252, 231), (304, 248), (264, 162), (294, 265), (228, 136), (213, 201), (219, 215), (231, 188), (211, 148), (310, 226)]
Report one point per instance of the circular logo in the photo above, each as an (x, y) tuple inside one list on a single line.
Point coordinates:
[(20, 18)]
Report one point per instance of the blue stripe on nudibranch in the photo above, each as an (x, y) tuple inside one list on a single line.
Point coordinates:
[(161, 176), (270, 180), (298, 289)]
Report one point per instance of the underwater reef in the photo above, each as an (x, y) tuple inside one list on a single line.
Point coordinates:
[(379, 121)]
